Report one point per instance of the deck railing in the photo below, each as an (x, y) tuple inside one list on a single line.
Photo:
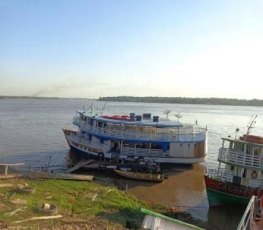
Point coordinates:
[(224, 176), (249, 215), (86, 143), (221, 174), (236, 157), (123, 132), (141, 151), (80, 139)]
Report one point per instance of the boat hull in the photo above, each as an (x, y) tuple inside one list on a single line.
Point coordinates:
[(141, 176), (81, 152), (82, 155), (220, 193)]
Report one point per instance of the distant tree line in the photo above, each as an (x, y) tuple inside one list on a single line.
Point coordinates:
[(186, 100), (26, 97)]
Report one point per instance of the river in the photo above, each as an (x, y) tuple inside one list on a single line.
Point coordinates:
[(31, 132)]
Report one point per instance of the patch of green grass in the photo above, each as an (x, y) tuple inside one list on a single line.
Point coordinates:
[(86, 200)]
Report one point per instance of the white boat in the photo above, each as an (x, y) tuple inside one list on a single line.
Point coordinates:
[(155, 221), (135, 138)]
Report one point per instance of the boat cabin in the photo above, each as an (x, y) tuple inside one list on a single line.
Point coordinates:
[(242, 160)]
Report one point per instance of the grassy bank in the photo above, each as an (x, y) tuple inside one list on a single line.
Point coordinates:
[(84, 205)]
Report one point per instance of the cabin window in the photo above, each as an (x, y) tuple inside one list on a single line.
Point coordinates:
[(128, 144), (156, 146), (232, 167), (244, 173), (90, 121), (257, 150), (115, 147), (249, 149), (239, 146), (143, 145)]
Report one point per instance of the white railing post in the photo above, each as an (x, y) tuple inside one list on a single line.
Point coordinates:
[(248, 215)]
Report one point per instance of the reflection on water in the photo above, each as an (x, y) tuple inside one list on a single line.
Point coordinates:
[(225, 217), (182, 191)]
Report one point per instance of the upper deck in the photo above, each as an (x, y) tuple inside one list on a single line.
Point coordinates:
[(123, 127), (241, 152), (141, 123)]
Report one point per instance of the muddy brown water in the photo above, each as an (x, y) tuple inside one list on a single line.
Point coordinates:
[(184, 191)]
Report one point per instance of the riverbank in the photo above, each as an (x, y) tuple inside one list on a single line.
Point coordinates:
[(87, 205)]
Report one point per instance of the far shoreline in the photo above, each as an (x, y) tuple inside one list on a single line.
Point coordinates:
[(155, 99)]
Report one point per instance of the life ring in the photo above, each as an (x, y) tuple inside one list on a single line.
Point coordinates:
[(254, 175)]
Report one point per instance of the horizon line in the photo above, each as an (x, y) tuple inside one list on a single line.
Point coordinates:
[(49, 97)]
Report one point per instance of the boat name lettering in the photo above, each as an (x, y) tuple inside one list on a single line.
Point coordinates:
[(230, 188)]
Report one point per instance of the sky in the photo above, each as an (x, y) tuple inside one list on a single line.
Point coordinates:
[(97, 48)]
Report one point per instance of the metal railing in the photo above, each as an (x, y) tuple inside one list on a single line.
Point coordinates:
[(86, 143), (227, 155), (181, 134), (79, 139), (224, 176), (249, 215), (141, 151), (221, 174)]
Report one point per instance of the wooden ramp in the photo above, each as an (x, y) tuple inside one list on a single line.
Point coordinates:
[(60, 176), (80, 165)]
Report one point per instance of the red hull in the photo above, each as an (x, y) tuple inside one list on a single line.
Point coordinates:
[(219, 192), (230, 188)]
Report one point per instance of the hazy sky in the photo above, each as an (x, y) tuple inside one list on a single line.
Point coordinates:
[(93, 48)]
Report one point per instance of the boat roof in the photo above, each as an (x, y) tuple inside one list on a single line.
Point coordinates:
[(143, 122), (160, 123), (240, 141)]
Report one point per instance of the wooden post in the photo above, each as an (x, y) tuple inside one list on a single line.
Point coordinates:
[(6, 170)]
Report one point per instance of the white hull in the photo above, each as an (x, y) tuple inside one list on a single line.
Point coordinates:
[(80, 147)]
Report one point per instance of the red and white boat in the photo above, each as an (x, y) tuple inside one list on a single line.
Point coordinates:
[(240, 171)]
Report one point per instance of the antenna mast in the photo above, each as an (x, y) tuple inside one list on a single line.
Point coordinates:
[(251, 123), (166, 112)]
